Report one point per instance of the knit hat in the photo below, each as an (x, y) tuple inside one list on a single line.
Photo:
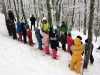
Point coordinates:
[(69, 34), (44, 18), (79, 37)]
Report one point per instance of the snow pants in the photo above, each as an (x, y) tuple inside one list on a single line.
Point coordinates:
[(29, 40), (64, 47), (54, 53), (77, 64), (46, 49), (68, 48), (24, 38), (20, 36)]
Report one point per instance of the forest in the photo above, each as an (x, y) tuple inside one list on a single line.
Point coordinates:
[(74, 12), (81, 15)]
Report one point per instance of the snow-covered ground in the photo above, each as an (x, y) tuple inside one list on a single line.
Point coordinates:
[(17, 58)]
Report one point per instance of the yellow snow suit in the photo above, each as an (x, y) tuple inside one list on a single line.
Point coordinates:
[(77, 50)]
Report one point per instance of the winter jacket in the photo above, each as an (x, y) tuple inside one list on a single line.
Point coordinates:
[(11, 15), (38, 37), (23, 28), (45, 39), (77, 49), (50, 32), (63, 28), (53, 43), (29, 33), (44, 26), (18, 27), (32, 19), (63, 39), (69, 41), (37, 34), (86, 47), (57, 34)]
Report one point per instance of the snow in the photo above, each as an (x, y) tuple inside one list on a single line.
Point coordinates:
[(17, 58)]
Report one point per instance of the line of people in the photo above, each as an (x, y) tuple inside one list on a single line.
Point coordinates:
[(50, 36)]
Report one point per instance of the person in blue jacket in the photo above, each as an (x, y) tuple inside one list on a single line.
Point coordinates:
[(39, 38), (19, 31)]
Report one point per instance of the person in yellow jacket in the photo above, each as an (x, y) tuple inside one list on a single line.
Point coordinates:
[(77, 50), (44, 24)]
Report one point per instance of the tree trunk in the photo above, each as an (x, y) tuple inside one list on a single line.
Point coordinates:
[(72, 16), (91, 18), (4, 9), (49, 13), (24, 16), (85, 5), (97, 27), (16, 11)]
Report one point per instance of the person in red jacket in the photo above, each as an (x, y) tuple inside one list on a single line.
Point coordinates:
[(29, 35), (69, 41)]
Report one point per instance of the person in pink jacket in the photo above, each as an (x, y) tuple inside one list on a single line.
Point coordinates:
[(45, 41), (69, 41)]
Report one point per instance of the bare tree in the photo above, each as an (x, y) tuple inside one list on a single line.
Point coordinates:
[(4, 9), (85, 5), (90, 33), (49, 13), (16, 11), (72, 20), (24, 16)]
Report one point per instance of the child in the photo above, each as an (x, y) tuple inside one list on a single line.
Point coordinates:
[(86, 47), (38, 37), (57, 37), (63, 41), (19, 31), (69, 42), (23, 32), (29, 34), (77, 50), (45, 41), (53, 46)]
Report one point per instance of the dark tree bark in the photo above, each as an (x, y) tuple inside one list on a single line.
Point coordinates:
[(90, 27), (85, 17), (4, 9), (24, 16), (49, 13), (16, 11)]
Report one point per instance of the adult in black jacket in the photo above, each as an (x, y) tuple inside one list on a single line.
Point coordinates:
[(11, 16), (8, 26), (14, 31), (32, 19), (23, 31)]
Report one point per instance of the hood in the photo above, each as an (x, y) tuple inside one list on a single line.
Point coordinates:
[(77, 41)]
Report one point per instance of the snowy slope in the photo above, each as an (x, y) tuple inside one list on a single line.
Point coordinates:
[(17, 58)]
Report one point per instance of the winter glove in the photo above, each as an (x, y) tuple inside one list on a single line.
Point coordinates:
[(15, 19)]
